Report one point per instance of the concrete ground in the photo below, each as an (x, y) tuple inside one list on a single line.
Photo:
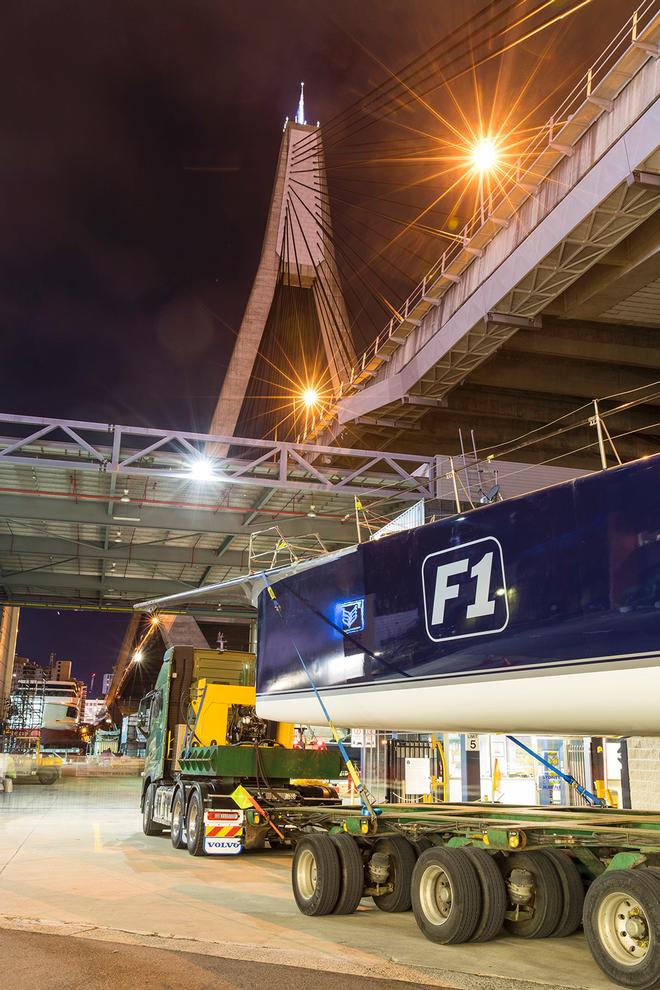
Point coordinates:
[(77, 871)]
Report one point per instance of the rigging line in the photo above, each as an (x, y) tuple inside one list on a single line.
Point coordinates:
[(523, 436), (546, 436), (604, 413), (389, 87), (577, 450), (581, 423), (586, 405), (629, 391)]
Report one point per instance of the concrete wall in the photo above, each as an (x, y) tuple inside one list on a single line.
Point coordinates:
[(644, 771), (8, 633)]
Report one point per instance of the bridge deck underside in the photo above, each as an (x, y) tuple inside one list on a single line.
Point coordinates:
[(600, 337), (555, 302)]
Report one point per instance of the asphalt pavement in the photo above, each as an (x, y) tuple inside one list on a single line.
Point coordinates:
[(54, 962)]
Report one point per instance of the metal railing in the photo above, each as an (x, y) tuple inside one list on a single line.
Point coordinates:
[(128, 451)]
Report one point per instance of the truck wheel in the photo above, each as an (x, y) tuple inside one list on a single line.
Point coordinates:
[(178, 825), (421, 844), (446, 895), (316, 875), (622, 926), (149, 826), (46, 778), (533, 893), (402, 858), (572, 892), (493, 895), (195, 824), (352, 874)]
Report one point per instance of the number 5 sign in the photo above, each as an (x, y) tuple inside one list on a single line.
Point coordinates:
[(472, 742)]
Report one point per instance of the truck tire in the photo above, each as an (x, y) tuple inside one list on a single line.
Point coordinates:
[(446, 895), (195, 824), (572, 890), (46, 777), (149, 826), (421, 844), (402, 859), (493, 895), (316, 875), (622, 925), (352, 874), (542, 915), (178, 823)]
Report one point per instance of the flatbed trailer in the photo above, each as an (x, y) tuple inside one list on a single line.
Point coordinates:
[(470, 870), (535, 614)]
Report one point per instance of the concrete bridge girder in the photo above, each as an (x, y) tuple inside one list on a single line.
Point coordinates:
[(587, 342)]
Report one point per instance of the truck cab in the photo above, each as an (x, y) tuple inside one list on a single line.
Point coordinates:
[(212, 765)]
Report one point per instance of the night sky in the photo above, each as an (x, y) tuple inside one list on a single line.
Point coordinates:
[(124, 265), (90, 639)]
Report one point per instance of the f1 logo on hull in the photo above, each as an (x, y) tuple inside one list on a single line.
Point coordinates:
[(465, 591)]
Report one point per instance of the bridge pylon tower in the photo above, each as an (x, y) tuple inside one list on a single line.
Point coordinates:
[(295, 332)]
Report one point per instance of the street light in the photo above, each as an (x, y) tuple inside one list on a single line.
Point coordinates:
[(138, 656), (484, 155), (310, 396)]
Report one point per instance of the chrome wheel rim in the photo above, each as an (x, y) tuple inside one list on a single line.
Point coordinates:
[(176, 817), (436, 895), (306, 874), (193, 815), (623, 928)]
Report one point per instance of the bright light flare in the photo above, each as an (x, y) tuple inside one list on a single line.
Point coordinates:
[(310, 397), (138, 656), (484, 155), (201, 469)]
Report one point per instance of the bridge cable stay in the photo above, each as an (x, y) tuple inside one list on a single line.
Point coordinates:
[(437, 58)]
